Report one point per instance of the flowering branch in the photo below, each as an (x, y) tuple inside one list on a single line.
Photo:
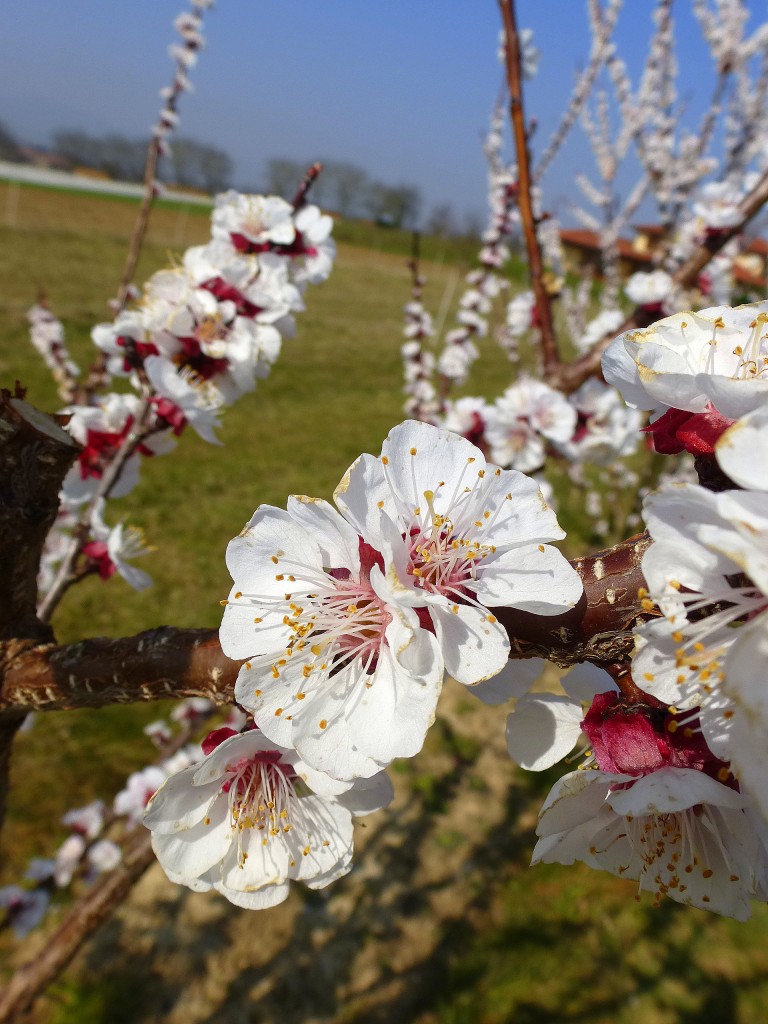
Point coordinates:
[(185, 56), (67, 574), (525, 203), (87, 914), (568, 377), (603, 26), (168, 662)]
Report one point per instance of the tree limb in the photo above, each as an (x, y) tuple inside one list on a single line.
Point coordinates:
[(95, 907), (168, 662), (35, 455), (568, 377)]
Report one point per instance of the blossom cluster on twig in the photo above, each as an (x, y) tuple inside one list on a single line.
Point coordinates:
[(97, 832), (202, 335), (670, 789)]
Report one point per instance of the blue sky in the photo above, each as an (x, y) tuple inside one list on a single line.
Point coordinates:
[(403, 88)]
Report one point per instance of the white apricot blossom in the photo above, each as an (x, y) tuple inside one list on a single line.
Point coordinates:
[(606, 322), (112, 549), (337, 667), (101, 430), (717, 206), (650, 289), (252, 816), (523, 419), (459, 536), (183, 397), (259, 220), (677, 831), (650, 800), (545, 727), (606, 428), (714, 359), (708, 572)]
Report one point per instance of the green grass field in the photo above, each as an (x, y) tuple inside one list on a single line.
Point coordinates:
[(441, 923)]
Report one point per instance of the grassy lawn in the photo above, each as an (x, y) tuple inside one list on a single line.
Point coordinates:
[(442, 923)]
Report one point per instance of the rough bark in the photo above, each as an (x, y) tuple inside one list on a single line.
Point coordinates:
[(168, 662), (35, 455)]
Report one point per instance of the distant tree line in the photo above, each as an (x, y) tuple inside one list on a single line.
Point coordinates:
[(342, 187), (192, 163), (9, 146)]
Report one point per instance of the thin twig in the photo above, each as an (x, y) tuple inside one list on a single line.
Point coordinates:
[(92, 910), (550, 354), (306, 183), (67, 574)]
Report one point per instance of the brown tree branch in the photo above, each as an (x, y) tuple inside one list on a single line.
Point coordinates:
[(168, 662), (35, 455), (154, 665), (95, 907), (550, 354)]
